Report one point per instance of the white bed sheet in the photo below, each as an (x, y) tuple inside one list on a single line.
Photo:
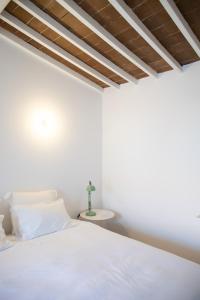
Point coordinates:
[(86, 261)]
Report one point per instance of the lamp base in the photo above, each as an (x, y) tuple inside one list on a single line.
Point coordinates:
[(90, 213)]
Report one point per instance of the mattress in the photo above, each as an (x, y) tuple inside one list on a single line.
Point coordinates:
[(86, 261)]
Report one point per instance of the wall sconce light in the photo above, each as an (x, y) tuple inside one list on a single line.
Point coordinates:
[(44, 124)]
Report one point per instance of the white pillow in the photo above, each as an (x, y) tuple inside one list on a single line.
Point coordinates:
[(34, 220), (30, 198), (33, 197)]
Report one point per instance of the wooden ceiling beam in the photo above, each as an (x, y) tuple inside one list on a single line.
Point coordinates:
[(72, 38), (54, 48), (93, 25), (46, 58), (126, 12), (182, 24), (5, 16), (3, 4)]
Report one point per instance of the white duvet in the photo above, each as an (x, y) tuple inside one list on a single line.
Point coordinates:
[(88, 262)]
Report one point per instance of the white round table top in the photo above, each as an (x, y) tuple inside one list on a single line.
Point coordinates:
[(101, 214)]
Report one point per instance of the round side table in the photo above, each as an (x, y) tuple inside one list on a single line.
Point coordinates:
[(102, 215)]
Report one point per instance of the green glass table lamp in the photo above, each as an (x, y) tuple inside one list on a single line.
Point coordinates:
[(90, 188)]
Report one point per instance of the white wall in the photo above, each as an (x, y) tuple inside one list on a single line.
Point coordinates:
[(151, 160), (151, 147), (65, 161)]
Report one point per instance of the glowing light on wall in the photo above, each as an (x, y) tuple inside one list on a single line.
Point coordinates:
[(45, 124)]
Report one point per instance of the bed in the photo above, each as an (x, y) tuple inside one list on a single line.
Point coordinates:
[(86, 261)]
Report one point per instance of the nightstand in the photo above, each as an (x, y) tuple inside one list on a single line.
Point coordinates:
[(101, 218)]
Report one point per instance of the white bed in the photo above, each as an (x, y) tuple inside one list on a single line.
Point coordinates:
[(86, 261)]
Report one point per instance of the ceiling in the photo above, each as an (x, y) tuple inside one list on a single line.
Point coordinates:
[(105, 63)]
